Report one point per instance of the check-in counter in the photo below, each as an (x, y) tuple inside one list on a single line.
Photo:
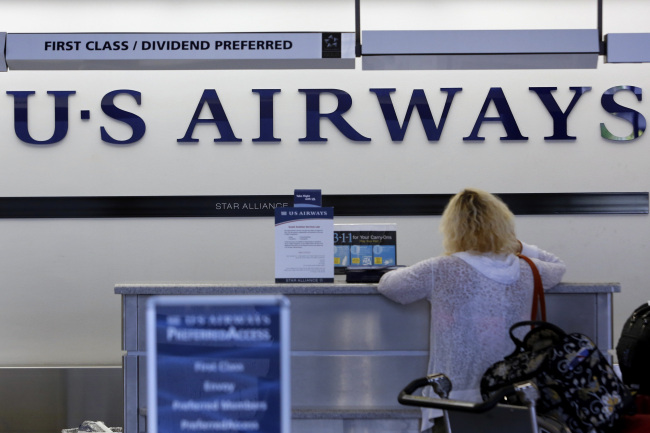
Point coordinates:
[(352, 350)]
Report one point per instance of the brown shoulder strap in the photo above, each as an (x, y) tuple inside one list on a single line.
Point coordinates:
[(538, 294)]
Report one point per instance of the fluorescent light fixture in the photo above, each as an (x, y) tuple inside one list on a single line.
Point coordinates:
[(480, 49), (628, 47), (112, 51)]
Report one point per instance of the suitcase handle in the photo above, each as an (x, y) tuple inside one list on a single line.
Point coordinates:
[(526, 390), (643, 311)]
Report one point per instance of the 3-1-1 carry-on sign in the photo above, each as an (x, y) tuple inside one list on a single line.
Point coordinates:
[(218, 364)]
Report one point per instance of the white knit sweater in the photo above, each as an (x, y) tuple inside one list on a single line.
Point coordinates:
[(474, 298)]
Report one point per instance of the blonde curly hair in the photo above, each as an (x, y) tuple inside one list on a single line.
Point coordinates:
[(478, 222)]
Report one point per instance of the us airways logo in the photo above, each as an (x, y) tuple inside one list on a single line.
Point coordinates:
[(396, 128), (305, 213)]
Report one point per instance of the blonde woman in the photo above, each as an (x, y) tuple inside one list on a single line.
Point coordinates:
[(477, 290)]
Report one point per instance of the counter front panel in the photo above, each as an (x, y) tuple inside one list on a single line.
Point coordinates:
[(352, 350)]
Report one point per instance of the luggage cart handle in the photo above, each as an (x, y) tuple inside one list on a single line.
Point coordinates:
[(526, 390)]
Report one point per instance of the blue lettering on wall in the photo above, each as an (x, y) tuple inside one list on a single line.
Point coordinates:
[(397, 128), (219, 119), (634, 117), (60, 116), (505, 116), (266, 115), (336, 117), (560, 118), (419, 101), (136, 123)]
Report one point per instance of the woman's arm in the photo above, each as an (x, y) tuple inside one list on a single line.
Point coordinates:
[(408, 284), (551, 267)]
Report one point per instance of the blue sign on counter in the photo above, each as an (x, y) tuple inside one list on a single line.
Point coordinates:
[(218, 364), (307, 198)]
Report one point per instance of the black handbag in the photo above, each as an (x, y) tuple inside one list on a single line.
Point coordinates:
[(577, 385), (633, 350)]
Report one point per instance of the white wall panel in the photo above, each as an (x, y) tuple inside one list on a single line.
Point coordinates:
[(478, 14), (58, 306), (169, 16), (624, 16)]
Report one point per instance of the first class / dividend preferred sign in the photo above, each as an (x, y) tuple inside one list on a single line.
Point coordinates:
[(218, 364), (174, 50)]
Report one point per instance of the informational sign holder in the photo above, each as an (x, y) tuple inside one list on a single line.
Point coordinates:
[(304, 252), (125, 51), (218, 364), (364, 245), (307, 198)]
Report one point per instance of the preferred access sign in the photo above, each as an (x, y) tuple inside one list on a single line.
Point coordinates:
[(218, 364)]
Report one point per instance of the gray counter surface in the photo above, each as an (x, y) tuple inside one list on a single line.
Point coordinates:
[(264, 288)]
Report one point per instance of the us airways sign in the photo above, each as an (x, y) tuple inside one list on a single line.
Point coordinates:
[(396, 127)]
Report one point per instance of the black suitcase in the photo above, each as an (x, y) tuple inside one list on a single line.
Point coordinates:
[(633, 350)]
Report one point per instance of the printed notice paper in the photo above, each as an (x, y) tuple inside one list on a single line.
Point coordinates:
[(304, 252)]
